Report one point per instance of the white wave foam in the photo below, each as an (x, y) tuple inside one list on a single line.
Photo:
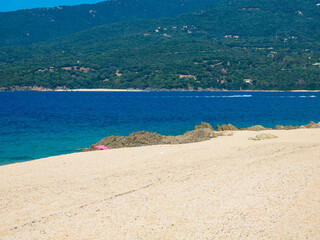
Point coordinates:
[(312, 96), (223, 96)]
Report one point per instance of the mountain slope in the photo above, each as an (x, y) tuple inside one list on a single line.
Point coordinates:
[(239, 44), (30, 26)]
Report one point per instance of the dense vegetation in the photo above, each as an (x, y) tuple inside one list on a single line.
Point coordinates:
[(239, 44), (30, 26)]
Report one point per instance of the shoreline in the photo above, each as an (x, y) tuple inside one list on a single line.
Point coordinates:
[(168, 90), (100, 90), (40, 89), (192, 136), (226, 187)]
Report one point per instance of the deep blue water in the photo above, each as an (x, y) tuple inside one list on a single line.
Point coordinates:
[(41, 124)]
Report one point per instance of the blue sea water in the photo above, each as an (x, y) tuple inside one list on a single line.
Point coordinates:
[(40, 124)]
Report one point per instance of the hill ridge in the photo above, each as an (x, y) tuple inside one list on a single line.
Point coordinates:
[(30, 26), (237, 45)]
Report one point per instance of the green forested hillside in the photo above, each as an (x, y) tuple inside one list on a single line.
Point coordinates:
[(239, 44), (25, 27)]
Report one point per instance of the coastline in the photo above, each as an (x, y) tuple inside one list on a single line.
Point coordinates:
[(100, 90), (175, 90), (41, 89), (227, 187)]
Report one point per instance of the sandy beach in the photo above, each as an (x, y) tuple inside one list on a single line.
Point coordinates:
[(181, 90), (42, 89), (99, 90), (225, 188)]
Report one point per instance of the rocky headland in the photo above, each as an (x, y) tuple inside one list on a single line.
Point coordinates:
[(201, 132)]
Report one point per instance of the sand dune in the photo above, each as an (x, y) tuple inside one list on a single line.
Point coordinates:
[(225, 188)]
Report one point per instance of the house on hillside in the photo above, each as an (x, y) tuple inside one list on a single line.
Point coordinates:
[(118, 73), (248, 80), (187, 76)]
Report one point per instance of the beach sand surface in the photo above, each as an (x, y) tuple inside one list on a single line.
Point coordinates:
[(99, 90), (225, 188)]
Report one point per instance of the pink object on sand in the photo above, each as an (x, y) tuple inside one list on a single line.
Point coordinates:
[(102, 147)]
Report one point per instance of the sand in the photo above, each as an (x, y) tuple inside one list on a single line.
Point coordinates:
[(225, 188), (99, 90)]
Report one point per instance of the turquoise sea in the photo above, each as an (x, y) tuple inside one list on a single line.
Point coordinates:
[(40, 124)]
